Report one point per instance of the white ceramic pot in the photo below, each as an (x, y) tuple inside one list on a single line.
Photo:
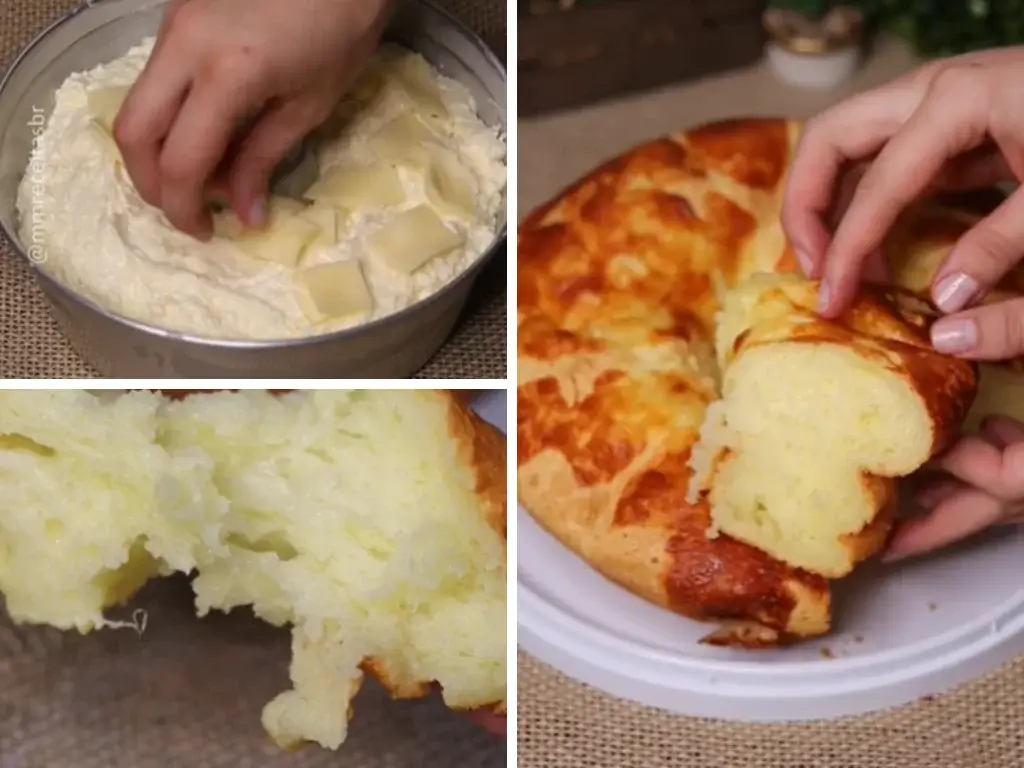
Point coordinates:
[(818, 70)]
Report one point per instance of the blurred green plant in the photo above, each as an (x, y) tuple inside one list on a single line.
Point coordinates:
[(948, 27), (933, 27), (811, 9), (815, 9)]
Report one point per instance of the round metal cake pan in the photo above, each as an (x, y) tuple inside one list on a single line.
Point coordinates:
[(391, 347)]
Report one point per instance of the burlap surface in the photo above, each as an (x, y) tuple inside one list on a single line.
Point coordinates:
[(31, 346), (565, 724), (188, 694)]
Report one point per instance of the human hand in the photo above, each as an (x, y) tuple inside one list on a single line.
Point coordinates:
[(953, 124), (489, 721), (981, 484), (217, 63)]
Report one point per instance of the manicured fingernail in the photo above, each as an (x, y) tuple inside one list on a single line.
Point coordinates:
[(824, 295), (258, 212), (954, 292), (954, 335), (804, 260)]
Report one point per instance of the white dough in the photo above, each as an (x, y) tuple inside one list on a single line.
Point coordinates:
[(98, 237)]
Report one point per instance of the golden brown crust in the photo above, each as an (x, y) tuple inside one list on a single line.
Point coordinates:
[(395, 688), (872, 538), (653, 228), (484, 448), (637, 530), (617, 292)]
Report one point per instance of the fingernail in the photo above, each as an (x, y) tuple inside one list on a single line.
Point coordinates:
[(258, 212), (954, 292), (824, 295), (954, 335), (804, 260)]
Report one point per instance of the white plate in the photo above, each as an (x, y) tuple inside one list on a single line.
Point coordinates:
[(903, 631), (491, 408)]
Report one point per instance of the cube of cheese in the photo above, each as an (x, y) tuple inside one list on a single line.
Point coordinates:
[(334, 290), (413, 238)]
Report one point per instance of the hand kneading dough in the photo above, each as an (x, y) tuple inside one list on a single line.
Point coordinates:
[(413, 238), (372, 151), (378, 186), (617, 302), (287, 235), (817, 417), (371, 523)]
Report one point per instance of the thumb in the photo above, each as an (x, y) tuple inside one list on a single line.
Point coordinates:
[(273, 136), (982, 257), (990, 332)]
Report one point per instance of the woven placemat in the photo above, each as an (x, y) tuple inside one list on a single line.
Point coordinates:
[(570, 725), (31, 346)]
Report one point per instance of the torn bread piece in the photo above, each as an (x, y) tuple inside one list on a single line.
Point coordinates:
[(372, 523), (93, 506), (817, 418)]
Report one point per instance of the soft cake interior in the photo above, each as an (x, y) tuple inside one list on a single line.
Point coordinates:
[(354, 517), (797, 453)]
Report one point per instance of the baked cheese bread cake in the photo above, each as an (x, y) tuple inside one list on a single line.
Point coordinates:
[(620, 281), (616, 304)]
